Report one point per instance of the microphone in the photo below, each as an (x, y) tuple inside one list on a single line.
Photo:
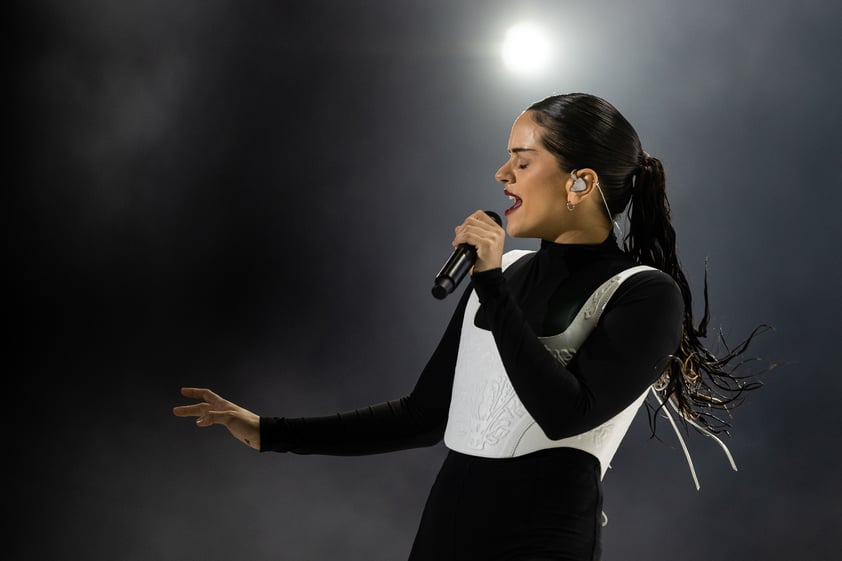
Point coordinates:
[(460, 262)]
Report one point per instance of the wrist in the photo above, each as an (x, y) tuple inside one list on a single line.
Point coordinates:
[(489, 284)]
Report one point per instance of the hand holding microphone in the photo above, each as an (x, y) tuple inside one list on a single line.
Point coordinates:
[(479, 244)]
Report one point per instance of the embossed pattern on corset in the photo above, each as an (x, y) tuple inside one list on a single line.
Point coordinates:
[(561, 355), (597, 436), (596, 300), (494, 409)]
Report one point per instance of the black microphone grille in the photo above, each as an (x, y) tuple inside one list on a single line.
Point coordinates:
[(495, 217)]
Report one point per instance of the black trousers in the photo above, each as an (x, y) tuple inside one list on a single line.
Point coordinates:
[(545, 505)]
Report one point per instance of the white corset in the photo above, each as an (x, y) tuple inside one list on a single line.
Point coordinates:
[(486, 416)]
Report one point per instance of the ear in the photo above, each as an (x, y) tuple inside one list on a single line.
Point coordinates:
[(580, 185)]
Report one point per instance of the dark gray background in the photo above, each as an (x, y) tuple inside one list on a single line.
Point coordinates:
[(255, 196)]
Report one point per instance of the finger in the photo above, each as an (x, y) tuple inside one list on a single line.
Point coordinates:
[(482, 217), (483, 223), (203, 394), (196, 393), (214, 418), (194, 410), (473, 232), (462, 234)]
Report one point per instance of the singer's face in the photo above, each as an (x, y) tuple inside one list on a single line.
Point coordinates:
[(535, 184)]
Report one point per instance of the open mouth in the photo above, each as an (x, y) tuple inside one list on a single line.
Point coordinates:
[(515, 199)]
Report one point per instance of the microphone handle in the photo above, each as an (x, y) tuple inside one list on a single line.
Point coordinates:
[(458, 265), (454, 270)]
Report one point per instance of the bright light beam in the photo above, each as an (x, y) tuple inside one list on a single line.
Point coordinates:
[(526, 50)]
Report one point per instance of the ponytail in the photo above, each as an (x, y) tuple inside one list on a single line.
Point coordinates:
[(651, 238), (698, 383)]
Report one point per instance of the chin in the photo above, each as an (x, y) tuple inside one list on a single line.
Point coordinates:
[(515, 232)]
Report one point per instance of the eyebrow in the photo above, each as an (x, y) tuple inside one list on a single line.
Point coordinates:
[(519, 150)]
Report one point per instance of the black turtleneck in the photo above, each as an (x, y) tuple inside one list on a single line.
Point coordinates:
[(539, 295)]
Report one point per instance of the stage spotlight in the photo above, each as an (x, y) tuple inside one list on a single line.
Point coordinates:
[(526, 50)]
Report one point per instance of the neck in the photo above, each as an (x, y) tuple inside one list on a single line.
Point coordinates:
[(594, 235)]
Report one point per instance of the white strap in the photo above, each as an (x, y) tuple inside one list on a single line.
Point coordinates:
[(707, 433), (700, 428)]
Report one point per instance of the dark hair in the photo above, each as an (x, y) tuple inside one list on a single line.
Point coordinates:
[(585, 131)]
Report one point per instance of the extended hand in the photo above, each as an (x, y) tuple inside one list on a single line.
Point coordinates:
[(480, 231), (241, 423)]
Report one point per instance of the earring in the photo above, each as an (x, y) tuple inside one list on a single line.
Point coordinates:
[(570, 207)]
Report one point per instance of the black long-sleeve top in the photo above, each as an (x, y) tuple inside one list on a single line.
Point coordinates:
[(539, 295)]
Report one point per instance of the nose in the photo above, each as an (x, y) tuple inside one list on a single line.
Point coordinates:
[(504, 174)]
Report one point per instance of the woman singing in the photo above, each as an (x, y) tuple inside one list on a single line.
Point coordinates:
[(548, 356)]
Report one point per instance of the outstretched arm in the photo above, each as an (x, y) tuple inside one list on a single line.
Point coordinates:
[(415, 420)]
